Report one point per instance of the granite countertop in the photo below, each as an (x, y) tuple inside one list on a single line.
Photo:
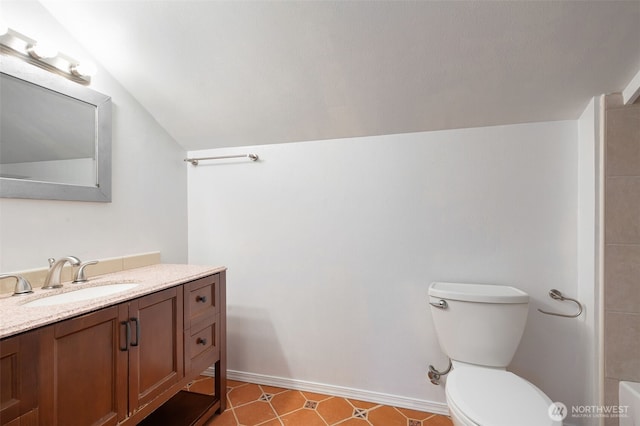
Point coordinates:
[(16, 318)]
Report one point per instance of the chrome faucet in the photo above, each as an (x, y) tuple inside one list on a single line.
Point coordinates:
[(55, 268), (80, 276), (22, 284)]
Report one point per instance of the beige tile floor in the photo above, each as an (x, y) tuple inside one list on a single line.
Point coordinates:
[(249, 404)]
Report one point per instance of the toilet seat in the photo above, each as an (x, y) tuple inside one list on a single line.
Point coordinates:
[(489, 397)]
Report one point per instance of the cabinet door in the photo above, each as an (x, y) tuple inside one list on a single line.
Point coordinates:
[(156, 346), (18, 379), (84, 369)]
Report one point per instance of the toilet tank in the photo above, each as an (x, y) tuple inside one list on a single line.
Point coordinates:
[(481, 324)]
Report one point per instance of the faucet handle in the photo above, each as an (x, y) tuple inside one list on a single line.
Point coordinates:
[(22, 284), (80, 276), (51, 261)]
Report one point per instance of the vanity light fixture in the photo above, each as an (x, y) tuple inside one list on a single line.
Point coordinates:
[(42, 51), (44, 56), (85, 69)]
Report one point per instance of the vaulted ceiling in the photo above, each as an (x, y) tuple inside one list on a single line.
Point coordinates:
[(231, 73)]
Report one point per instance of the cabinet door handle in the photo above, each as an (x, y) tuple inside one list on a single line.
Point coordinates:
[(201, 298), (127, 328), (137, 342), (201, 341)]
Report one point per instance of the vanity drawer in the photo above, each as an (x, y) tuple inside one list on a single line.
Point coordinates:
[(201, 301), (202, 346)]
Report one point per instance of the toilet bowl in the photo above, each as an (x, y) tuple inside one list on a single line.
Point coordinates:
[(489, 397), (479, 327)]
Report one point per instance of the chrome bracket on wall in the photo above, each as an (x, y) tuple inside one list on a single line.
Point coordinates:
[(556, 295), (434, 375), (195, 161)]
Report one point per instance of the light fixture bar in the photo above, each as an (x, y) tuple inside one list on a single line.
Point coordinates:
[(44, 56), (42, 51)]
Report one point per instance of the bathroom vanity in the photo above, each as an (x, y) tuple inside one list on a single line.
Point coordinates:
[(122, 359)]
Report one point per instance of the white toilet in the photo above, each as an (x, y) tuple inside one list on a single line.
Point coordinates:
[(479, 327)]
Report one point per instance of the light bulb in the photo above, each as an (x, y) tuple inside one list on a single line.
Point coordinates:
[(85, 69), (42, 51)]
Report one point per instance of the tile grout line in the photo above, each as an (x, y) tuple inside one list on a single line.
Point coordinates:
[(366, 410), (231, 407), (316, 406), (408, 418), (233, 411), (315, 409), (316, 399), (350, 418), (271, 405)]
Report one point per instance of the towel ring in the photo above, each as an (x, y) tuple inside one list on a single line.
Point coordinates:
[(556, 295)]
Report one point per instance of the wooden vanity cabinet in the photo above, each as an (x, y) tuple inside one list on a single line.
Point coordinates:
[(121, 365), (19, 380)]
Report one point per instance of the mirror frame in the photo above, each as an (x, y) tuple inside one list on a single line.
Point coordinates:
[(101, 192)]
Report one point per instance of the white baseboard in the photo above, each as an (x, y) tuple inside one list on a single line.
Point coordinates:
[(359, 394)]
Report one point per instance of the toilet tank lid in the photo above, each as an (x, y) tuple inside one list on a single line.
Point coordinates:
[(481, 293)]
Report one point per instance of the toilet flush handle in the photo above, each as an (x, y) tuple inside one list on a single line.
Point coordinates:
[(442, 304)]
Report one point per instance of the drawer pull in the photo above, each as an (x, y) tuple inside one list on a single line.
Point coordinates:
[(201, 299), (201, 341)]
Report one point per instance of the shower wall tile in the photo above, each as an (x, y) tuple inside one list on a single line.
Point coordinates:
[(610, 399), (622, 278), (622, 346), (611, 386), (622, 248), (622, 207), (623, 141)]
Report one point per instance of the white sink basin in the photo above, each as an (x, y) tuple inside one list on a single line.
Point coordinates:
[(82, 294)]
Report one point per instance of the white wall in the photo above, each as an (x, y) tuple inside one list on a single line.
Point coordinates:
[(589, 252), (331, 246), (148, 212)]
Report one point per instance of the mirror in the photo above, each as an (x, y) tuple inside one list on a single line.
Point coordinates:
[(55, 136)]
